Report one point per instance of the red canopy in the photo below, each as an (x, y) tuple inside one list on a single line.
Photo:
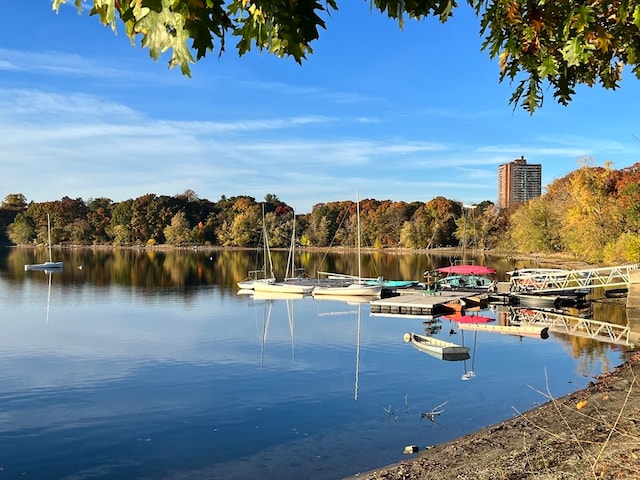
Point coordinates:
[(470, 318), (468, 270)]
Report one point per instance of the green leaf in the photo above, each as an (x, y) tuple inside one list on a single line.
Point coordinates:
[(548, 67), (572, 52)]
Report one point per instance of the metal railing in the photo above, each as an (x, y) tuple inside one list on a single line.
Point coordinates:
[(557, 281), (576, 326)]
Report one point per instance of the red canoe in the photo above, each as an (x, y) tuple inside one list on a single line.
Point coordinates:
[(468, 270), (469, 318)]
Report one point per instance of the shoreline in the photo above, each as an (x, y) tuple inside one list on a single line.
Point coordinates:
[(561, 259), (591, 433)]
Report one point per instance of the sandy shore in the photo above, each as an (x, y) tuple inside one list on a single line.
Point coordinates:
[(593, 433)]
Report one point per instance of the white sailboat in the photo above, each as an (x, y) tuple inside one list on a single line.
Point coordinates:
[(253, 279), (50, 264), (359, 286), (293, 282)]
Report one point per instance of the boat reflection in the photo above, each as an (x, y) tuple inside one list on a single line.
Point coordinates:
[(471, 372), (49, 274), (259, 295), (440, 349), (357, 301), (270, 298), (349, 299)]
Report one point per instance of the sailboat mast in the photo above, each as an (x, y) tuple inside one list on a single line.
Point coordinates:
[(291, 262), (358, 231), (49, 233), (293, 247), (267, 251)]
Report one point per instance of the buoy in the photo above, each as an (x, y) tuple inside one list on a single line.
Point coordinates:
[(407, 337)]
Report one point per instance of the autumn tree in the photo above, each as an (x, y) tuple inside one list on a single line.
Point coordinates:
[(627, 192), (431, 224), (383, 222), (14, 201), (121, 226), (536, 227), (12, 205), (328, 224), (22, 230), (316, 230), (590, 213), (540, 45), (488, 223), (242, 226), (443, 214), (99, 217), (178, 233), (591, 217)]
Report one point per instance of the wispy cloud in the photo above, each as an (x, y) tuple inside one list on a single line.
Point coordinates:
[(57, 63), (38, 106), (316, 92)]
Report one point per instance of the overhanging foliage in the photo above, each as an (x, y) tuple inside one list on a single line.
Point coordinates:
[(538, 43)]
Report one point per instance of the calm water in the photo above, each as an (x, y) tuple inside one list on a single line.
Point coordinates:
[(150, 366)]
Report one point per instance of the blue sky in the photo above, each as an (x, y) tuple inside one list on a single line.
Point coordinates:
[(400, 115)]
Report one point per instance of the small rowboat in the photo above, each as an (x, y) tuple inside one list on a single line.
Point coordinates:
[(436, 347), (535, 331)]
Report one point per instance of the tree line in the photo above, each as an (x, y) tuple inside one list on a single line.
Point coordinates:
[(593, 213)]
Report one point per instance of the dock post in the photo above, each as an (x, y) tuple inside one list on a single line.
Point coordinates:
[(633, 295), (633, 306)]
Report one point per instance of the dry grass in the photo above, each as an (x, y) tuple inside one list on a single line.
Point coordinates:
[(617, 452), (593, 433)]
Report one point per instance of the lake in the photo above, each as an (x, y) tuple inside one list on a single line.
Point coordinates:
[(132, 364)]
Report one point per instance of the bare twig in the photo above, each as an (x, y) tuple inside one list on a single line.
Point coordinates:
[(615, 424)]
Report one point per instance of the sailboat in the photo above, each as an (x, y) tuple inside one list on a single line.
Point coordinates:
[(252, 280), (292, 283), (359, 286), (50, 264)]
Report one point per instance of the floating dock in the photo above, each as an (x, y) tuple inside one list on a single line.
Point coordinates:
[(416, 304)]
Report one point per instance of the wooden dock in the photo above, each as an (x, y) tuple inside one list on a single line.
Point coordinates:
[(416, 304)]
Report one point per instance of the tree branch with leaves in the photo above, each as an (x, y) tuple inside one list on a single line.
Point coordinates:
[(538, 43)]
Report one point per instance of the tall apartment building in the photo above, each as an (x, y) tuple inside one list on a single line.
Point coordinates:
[(518, 182)]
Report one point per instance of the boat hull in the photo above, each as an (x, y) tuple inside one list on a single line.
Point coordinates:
[(518, 330), (251, 283), (283, 287), (350, 290), (258, 295), (44, 266)]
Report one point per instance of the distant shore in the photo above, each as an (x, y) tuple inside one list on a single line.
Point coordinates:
[(558, 259)]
